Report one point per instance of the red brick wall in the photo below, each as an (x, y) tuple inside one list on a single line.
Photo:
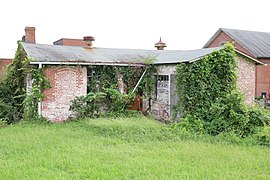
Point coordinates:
[(246, 80), (223, 37), (70, 42), (67, 82), (4, 63), (263, 80)]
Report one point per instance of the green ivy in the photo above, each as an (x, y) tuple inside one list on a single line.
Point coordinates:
[(14, 101), (39, 83), (209, 100), (105, 77), (103, 81), (12, 88), (201, 82)]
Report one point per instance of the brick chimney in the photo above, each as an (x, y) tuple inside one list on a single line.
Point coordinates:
[(88, 40), (30, 36), (160, 45)]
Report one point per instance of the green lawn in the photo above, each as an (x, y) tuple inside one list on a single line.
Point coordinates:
[(134, 148)]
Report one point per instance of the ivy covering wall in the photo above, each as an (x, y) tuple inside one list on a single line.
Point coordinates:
[(15, 103), (110, 89), (209, 99)]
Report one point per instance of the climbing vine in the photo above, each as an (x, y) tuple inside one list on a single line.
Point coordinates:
[(111, 88), (34, 95), (12, 88), (106, 76), (13, 95), (209, 100)]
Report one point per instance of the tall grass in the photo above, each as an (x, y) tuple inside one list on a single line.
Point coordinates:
[(133, 148)]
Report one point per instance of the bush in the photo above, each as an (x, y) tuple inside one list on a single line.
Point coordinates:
[(8, 112), (89, 105), (3, 123), (190, 124), (12, 88), (229, 114), (263, 136), (258, 116), (108, 103)]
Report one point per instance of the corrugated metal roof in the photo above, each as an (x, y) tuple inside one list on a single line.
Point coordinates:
[(56, 53), (172, 57), (257, 43), (73, 54)]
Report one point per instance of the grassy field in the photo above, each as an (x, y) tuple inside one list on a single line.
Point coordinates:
[(133, 148)]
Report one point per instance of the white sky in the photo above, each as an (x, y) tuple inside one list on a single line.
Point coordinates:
[(134, 24)]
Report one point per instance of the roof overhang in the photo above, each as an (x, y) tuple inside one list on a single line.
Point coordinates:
[(237, 51), (263, 57), (249, 57), (87, 63)]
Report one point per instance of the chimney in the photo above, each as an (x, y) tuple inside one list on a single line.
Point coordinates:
[(160, 45), (29, 35), (88, 40)]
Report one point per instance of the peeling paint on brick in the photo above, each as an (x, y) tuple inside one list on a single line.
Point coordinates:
[(246, 78), (67, 82), (164, 96)]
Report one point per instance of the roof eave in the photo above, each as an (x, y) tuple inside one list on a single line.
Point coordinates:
[(261, 57), (249, 57), (87, 63)]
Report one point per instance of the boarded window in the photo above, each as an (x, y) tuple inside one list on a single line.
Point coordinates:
[(161, 91)]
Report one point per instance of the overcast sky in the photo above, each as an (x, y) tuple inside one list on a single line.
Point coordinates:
[(134, 24)]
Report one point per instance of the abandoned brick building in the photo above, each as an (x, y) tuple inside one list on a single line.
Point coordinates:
[(254, 44), (67, 61)]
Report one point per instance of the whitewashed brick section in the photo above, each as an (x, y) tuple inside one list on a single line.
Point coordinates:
[(246, 80), (67, 82)]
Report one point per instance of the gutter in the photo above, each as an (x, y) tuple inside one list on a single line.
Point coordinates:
[(87, 63), (40, 102)]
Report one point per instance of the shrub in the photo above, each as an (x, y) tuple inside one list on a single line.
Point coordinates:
[(12, 88), (263, 136), (229, 114), (3, 123), (108, 103), (89, 105)]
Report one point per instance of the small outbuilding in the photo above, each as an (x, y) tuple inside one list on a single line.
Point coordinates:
[(66, 68)]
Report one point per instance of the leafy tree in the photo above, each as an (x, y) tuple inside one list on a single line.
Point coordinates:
[(12, 88)]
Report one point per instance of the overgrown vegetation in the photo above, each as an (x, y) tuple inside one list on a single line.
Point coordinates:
[(129, 148), (12, 88), (210, 100), (39, 83), (109, 102), (110, 89), (15, 104)]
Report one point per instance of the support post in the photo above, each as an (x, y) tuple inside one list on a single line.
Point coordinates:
[(40, 103), (139, 81)]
